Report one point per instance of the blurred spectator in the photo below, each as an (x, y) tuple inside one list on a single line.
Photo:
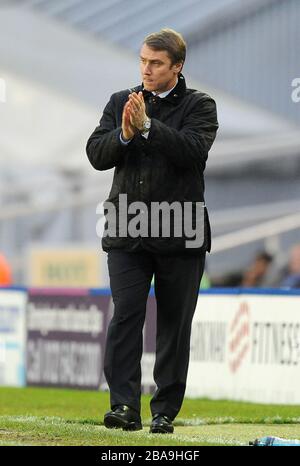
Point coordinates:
[(5, 272), (254, 276), (230, 279), (292, 279)]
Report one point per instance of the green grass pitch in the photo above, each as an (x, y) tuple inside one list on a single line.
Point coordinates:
[(46, 416)]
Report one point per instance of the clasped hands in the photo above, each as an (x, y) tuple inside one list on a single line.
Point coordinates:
[(134, 115)]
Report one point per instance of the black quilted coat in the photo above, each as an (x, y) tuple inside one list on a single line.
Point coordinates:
[(168, 166)]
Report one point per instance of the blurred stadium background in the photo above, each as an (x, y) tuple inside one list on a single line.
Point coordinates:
[(61, 60)]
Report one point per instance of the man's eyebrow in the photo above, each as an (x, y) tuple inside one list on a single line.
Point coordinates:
[(154, 59)]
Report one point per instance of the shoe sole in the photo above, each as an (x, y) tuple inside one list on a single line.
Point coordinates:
[(161, 430), (112, 422)]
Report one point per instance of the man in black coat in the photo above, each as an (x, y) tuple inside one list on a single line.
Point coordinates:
[(156, 136)]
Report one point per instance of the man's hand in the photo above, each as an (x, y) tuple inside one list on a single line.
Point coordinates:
[(128, 130), (137, 110)]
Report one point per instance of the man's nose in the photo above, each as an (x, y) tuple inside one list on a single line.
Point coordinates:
[(147, 69)]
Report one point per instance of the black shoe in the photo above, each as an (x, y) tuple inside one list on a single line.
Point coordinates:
[(123, 417), (161, 424)]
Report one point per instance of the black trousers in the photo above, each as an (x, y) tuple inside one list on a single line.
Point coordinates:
[(176, 283)]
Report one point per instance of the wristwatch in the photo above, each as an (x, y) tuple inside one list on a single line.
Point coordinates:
[(146, 126)]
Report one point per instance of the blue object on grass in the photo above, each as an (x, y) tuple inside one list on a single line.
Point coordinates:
[(275, 442)]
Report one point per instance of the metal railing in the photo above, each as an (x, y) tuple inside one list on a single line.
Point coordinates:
[(262, 231)]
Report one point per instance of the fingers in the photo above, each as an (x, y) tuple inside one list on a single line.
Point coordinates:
[(128, 130), (125, 108), (133, 105), (136, 101), (134, 111), (138, 97), (124, 114)]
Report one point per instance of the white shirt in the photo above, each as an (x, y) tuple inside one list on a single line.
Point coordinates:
[(164, 94)]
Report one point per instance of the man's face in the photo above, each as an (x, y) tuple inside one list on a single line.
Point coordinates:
[(294, 263), (158, 73)]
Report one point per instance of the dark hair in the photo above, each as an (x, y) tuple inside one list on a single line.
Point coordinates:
[(169, 40), (264, 256)]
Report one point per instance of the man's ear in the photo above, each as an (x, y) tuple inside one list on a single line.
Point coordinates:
[(178, 67)]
